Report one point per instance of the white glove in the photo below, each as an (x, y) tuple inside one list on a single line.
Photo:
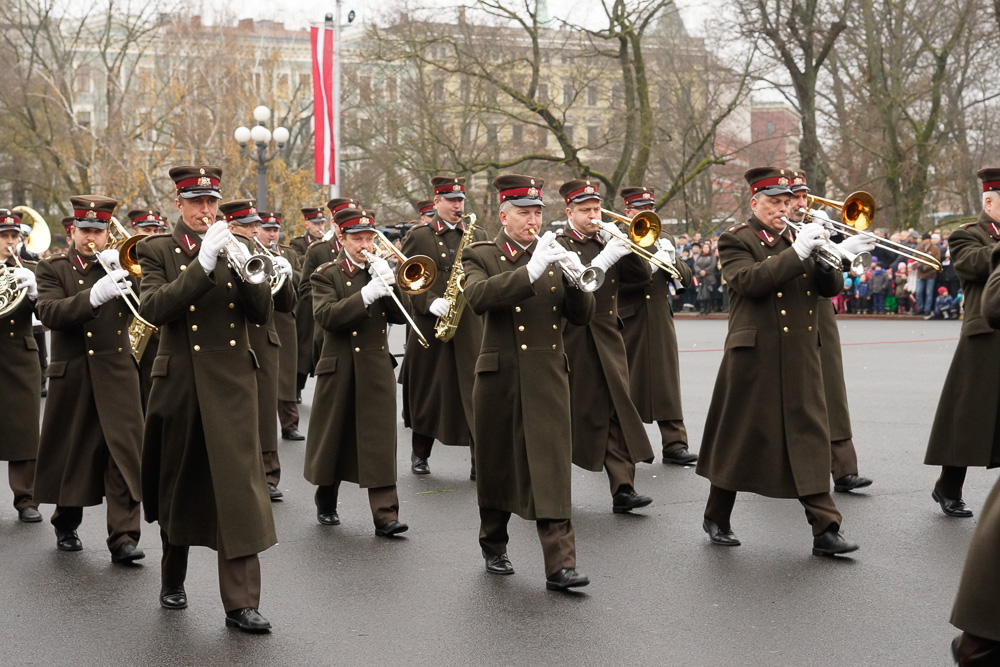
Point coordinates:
[(546, 252), (110, 258), (379, 267), (809, 237), (104, 289), (374, 291), (666, 246), (665, 256), (26, 278), (822, 218), (613, 251), (604, 234), (858, 243), (282, 265), (213, 243), (439, 307)]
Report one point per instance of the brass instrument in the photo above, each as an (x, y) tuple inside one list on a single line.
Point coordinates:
[(420, 337), (277, 278), (586, 278), (37, 242), (251, 268), (446, 325), (834, 256), (40, 238), (139, 330), (415, 275), (857, 212), (643, 231)]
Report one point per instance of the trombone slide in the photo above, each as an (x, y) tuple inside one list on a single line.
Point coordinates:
[(420, 336)]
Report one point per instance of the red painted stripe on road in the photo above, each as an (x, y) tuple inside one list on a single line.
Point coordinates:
[(870, 342)]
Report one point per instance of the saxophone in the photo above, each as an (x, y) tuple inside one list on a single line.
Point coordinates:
[(446, 325)]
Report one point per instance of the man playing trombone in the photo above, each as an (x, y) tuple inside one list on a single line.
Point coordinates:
[(92, 425), (766, 431), (608, 432)]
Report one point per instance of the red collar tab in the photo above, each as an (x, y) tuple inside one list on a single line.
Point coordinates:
[(578, 236), (510, 249), (80, 261), (188, 242)]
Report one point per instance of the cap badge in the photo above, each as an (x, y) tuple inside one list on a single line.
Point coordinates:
[(253, 210), (532, 192), (782, 180), (456, 188), (589, 190), (91, 215), (204, 181)]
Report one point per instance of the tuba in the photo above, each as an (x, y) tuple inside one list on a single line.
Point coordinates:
[(454, 293)]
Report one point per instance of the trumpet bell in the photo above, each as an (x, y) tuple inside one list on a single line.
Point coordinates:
[(128, 258), (416, 274), (644, 229), (256, 270), (860, 263), (591, 279)]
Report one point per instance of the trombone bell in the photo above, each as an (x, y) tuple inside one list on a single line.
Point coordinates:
[(644, 229), (857, 211)]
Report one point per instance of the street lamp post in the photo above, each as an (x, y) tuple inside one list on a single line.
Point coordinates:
[(261, 137)]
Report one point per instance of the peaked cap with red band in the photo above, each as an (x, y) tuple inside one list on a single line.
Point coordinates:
[(10, 220), (520, 190), (145, 217), (92, 211), (769, 181), (799, 181), (579, 190), (240, 211), (352, 220), (639, 197), (270, 219), (313, 214), (990, 178), (200, 181), (425, 207), (449, 187), (341, 203)]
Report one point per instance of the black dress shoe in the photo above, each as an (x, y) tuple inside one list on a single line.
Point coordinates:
[(498, 564), (951, 507), (292, 434), (472, 473), (832, 543), (328, 518), (850, 482), (247, 620), (392, 528), (724, 538), (626, 500), (565, 579), (68, 541), (29, 515), (274, 492), (419, 466), (44, 392), (681, 457), (298, 397), (127, 553), (970, 651), (173, 598)]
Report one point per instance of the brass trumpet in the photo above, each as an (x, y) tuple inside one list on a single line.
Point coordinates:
[(834, 256), (586, 278), (277, 279), (643, 231), (253, 269), (415, 275)]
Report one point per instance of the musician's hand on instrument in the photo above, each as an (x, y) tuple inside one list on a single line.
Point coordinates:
[(613, 251), (26, 279), (105, 289), (110, 258), (809, 237), (546, 252), (664, 256), (282, 265), (822, 218), (213, 243), (438, 307), (667, 247), (379, 267), (374, 291), (858, 243)]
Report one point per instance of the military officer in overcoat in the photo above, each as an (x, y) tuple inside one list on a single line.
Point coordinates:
[(242, 217), (521, 394), (843, 457), (21, 375), (284, 323), (146, 222), (645, 308), (607, 430), (201, 465), (92, 426), (353, 438), (966, 431), (437, 380), (766, 431), (314, 221), (977, 606)]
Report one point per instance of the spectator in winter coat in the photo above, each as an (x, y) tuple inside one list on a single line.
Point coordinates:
[(880, 286), (862, 295)]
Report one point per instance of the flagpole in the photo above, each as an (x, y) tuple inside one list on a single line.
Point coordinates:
[(335, 188)]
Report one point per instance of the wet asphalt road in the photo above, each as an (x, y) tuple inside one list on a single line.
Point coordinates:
[(660, 593)]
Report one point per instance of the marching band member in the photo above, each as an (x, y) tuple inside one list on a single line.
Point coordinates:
[(20, 370), (766, 429), (201, 464), (521, 393), (647, 314), (243, 220), (147, 222), (843, 457), (961, 436), (437, 380), (314, 222), (285, 324), (607, 430), (353, 438), (92, 425)]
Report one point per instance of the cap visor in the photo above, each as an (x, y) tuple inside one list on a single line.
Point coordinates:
[(90, 224), (191, 194), (247, 220), (454, 195), (270, 225), (526, 201), (775, 190), (579, 198)]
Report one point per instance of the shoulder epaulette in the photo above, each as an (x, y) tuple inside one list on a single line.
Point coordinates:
[(60, 255), (969, 224), (476, 244), (324, 266), (737, 227)]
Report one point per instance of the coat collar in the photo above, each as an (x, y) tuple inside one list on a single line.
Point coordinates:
[(188, 241), (79, 262), (583, 238), (512, 251), (440, 226), (335, 245), (989, 226), (767, 235), (349, 268)]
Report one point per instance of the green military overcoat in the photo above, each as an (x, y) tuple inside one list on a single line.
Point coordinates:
[(437, 381), (284, 323), (352, 431), (599, 373), (766, 429), (965, 430), (309, 337), (651, 343), (22, 377), (521, 397), (94, 406), (838, 412), (201, 465)]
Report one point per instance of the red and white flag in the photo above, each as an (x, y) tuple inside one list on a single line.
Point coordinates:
[(324, 106)]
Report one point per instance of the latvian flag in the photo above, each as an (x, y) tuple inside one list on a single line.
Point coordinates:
[(324, 106)]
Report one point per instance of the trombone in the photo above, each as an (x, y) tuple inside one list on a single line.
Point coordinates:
[(834, 256), (139, 330), (643, 231), (370, 258), (415, 275), (857, 212), (277, 279)]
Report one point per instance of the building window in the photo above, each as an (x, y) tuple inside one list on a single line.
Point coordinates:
[(770, 128), (390, 89), (617, 96), (83, 82), (517, 134), (283, 90), (568, 129), (593, 96), (593, 135), (83, 118), (437, 92), (365, 88), (568, 93), (541, 137), (543, 92), (306, 81)]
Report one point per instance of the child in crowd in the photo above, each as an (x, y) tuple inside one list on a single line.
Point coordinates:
[(902, 294), (945, 307), (879, 286), (862, 295), (847, 295)]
